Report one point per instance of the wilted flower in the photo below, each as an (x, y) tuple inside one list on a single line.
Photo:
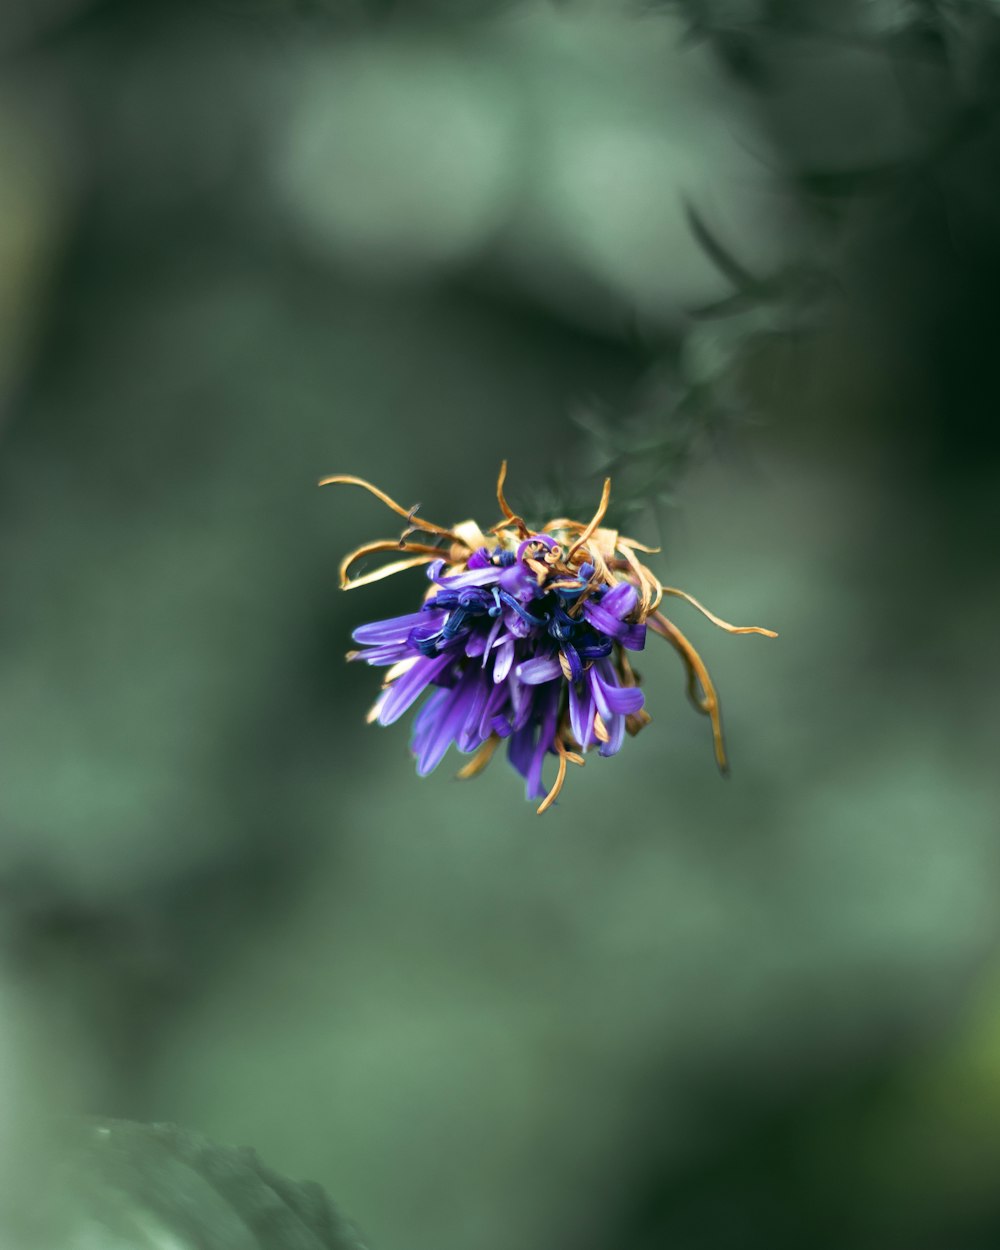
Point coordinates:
[(523, 636)]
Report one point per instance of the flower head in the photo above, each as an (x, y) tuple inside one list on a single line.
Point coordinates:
[(523, 637)]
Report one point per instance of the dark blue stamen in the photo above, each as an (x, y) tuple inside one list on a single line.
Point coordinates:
[(454, 623), (443, 599), (562, 626), (424, 641), (602, 646), (474, 600), (522, 612), (573, 657)]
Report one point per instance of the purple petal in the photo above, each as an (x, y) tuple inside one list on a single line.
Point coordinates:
[(389, 654), (407, 688), (519, 582), (545, 539), (504, 659), (491, 638), (623, 700), (476, 697), (620, 600), (541, 669), (396, 628), (522, 700), (616, 735), (516, 623), (611, 697), (425, 721), (546, 737), (519, 748), (439, 738), (472, 577), (497, 698), (603, 620), (475, 645), (634, 638), (581, 714)]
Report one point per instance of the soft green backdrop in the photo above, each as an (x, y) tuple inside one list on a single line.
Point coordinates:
[(244, 245)]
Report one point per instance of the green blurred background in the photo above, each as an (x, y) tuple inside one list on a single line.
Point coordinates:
[(246, 244)]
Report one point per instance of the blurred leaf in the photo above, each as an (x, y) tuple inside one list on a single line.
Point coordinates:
[(721, 257), (119, 1184)]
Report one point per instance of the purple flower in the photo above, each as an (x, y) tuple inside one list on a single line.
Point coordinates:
[(522, 638), (500, 651)]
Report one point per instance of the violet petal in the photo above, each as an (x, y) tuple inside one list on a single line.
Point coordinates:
[(540, 669), (407, 688), (396, 628)]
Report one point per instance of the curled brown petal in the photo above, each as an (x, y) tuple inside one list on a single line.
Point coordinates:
[(481, 758), (511, 516), (386, 544), (638, 546), (387, 570), (408, 514), (707, 701), (597, 518), (716, 620), (553, 794), (647, 583)]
